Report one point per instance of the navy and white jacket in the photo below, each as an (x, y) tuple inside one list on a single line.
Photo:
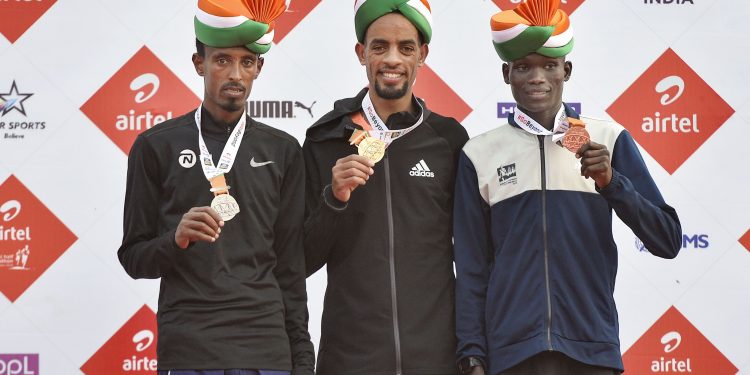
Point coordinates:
[(534, 252)]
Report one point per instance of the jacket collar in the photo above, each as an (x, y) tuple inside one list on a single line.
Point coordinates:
[(337, 124), (569, 111)]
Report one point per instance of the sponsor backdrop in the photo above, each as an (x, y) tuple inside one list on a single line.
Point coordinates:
[(80, 79)]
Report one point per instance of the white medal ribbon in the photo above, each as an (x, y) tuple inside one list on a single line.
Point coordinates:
[(379, 130), (227, 155), (530, 125)]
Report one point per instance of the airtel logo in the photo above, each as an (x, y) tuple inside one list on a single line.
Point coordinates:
[(670, 123), (668, 83), (140, 82), (671, 341), (145, 86), (143, 340), (10, 210)]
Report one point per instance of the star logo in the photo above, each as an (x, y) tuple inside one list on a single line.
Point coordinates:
[(13, 100)]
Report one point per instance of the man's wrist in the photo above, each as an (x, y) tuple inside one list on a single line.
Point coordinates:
[(331, 200), (466, 365)]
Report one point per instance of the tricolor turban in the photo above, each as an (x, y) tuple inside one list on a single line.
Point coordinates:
[(416, 11), (236, 23), (535, 26)]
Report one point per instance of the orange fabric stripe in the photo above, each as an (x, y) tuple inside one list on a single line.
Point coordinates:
[(532, 13), (263, 11), (505, 20), (426, 4), (561, 22), (215, 9)]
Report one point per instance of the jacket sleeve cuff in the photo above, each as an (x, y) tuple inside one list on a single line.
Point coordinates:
[(612, 186), (331, 201)]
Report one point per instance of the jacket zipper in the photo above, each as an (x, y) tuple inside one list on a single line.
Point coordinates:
[(546, 242), (392, 259)]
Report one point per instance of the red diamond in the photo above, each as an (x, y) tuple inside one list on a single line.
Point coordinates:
[(31, 238), (438, 96), (670, 110), (143, 93), (132, 350), (18, 16), (674, 346), (569, 6), (296, 11), (745, 240)]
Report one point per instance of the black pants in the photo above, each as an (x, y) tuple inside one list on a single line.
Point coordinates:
[(556, 363)]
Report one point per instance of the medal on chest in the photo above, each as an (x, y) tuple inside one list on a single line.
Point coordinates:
[(223, 203), (374, 137)]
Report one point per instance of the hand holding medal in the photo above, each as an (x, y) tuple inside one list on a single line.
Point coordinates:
[(576, 136), (371, 148), (198, 224)]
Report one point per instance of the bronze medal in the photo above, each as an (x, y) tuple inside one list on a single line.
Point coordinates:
[(576, 136)]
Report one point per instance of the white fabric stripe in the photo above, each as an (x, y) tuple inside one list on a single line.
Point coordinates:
[(219, 22), (561, 39), (563, 169), (424, 165), (358, 4), (266, 39), (421, 8), (419, 167), (416, 4), (502, 36)]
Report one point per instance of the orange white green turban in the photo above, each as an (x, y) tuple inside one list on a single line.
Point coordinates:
[(237, 23), (418, 12), (535, 26)]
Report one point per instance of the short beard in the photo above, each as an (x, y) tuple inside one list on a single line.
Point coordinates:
[(232, 106), (389, 93)]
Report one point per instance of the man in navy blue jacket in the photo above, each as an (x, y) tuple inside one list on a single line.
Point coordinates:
[(535, 257)]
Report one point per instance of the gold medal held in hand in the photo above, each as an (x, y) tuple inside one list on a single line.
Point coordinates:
[(371, 148)]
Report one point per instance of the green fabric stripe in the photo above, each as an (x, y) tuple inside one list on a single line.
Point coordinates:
[(418, 20), (370, 11), (258, 48), (556, 51), (246, 33), (530, 40)]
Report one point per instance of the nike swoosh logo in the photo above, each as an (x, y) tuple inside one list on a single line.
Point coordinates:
[(255, 164)]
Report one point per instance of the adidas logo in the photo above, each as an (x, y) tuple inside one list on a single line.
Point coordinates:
[(421, 170)]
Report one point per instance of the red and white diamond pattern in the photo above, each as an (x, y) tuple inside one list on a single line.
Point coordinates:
[(671, 72)]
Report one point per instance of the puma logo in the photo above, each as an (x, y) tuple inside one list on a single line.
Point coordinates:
[(308, 109)]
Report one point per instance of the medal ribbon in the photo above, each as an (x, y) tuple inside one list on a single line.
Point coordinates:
[(530, 125), (378, 128), (215, 174)]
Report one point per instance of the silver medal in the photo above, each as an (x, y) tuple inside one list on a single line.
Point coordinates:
[(226, 206)]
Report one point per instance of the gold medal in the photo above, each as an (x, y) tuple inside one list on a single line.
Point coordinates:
[(371, 148), (226, 206)]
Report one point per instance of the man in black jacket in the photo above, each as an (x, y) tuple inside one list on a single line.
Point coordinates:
[(230, 258), (383, 226)]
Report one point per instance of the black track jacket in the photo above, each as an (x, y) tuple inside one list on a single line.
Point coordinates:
[(389, 304), (239, 302)]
